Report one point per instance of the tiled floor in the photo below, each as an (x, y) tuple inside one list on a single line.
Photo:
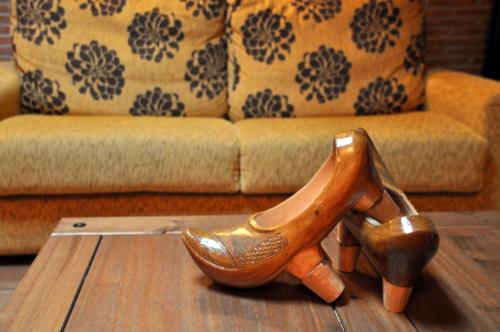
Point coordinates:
[(12, 270)]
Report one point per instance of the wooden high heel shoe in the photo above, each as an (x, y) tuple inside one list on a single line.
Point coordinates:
[(287, 237), (396, 240)]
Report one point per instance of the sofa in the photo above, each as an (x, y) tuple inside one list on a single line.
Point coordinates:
[(201, 154)]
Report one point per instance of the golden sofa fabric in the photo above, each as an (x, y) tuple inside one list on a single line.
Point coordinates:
[(26, 221), (321, 58), (9, 90), (121, 57), (425, 152), (462, 105), (475, 102), (97, 154)]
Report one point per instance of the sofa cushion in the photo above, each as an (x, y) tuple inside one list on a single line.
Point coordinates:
[(310, 58), (121, 57), (9, 90), (97, 154), (425, 152)]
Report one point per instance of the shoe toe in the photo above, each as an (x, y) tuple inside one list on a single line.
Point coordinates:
[(206, 247)]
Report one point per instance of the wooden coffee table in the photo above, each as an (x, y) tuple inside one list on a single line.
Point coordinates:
[(101, 274)]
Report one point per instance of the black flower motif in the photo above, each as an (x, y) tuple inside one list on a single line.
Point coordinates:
[(236, 4), (158, 103), (267, 36), (153, 35), (40, 95), (103, 7), (236, 72), (266, 105), (228, 28), (323, 75), (376, 25), (208, 8), (318, 10), (207, 70), (96, 69), (381, 97), (414, 60), (40, 20)]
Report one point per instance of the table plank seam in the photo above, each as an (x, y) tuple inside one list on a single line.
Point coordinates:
[(411, 321), (80, 286), (339, 319), (460, 283)]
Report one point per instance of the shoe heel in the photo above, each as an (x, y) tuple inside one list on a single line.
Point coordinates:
[(349, 249), (395, 297), (314, 269), (385, 210)]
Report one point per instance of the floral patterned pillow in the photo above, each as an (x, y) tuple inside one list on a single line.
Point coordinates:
[(165, 58), (319, 58)]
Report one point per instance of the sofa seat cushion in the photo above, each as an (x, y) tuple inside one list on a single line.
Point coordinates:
[(425, 152), (97, 154)]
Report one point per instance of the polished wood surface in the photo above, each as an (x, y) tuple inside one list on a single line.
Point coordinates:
[(314, 269), (259, 250), (155, 286), (400, 248), (42, 299), (148, 282), (395, 297), (395, 238), (141, 225)]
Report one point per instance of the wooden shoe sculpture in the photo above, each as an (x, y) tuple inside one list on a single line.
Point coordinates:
[(396, 240), (287, 237)]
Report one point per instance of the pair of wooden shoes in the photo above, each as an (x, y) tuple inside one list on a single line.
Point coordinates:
[(353, 190)]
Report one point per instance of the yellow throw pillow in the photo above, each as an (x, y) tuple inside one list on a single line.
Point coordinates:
[(155, 57), (319, 58)]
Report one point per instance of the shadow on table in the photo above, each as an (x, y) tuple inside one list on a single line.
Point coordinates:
[(282, 291), (430, 306), (277, 306), (17, 260)]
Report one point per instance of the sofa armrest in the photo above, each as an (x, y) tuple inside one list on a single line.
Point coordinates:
[(475, 102), (10, 87), (472, 100)]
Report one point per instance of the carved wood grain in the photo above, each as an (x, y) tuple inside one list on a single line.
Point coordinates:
[(43, 298), (150, 281), (460, 290), (141, 225)]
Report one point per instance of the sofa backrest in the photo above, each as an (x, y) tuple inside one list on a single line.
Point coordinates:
[(154, 57), (255, 58), (321, 58)]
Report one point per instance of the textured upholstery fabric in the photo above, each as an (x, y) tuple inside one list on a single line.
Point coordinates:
[(425, 152), (92, 154), (121, 57), (26, 222), (317, 58), (475, 102), (9, 90)]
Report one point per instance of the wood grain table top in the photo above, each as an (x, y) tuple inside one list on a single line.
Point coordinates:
[(134, 274)]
